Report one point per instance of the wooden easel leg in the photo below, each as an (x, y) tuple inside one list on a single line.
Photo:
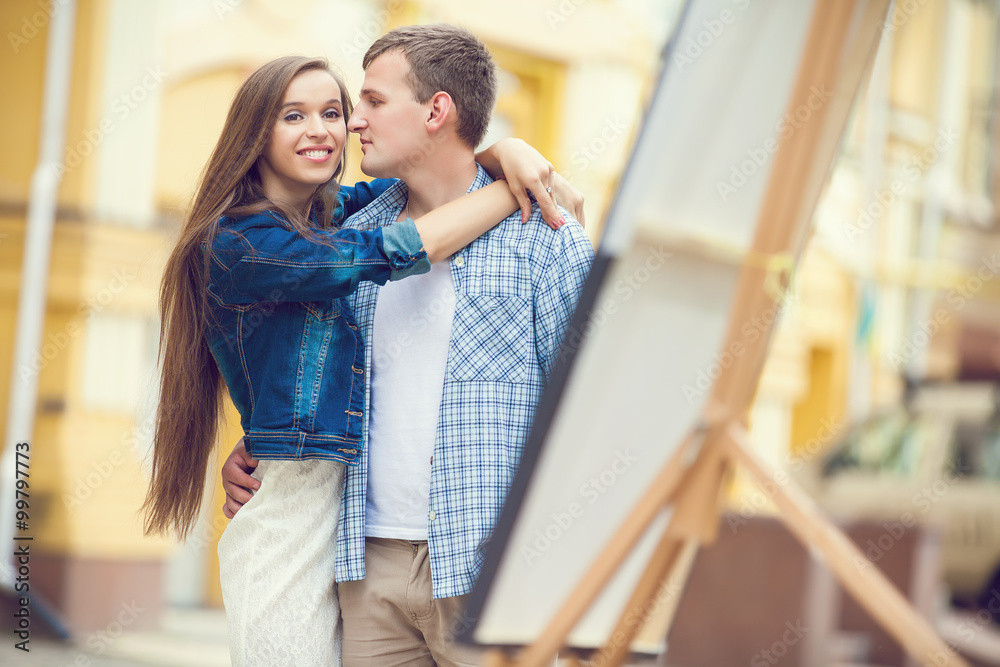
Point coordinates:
[(496, 658), (698, 500), (552, 638), (864, 581), (695, 517), (640, 604)]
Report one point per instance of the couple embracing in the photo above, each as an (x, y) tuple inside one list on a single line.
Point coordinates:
[(385, 345)]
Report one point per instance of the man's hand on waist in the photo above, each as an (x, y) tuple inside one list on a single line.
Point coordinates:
[(236, 479)]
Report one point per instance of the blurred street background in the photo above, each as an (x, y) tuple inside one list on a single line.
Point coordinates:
[(880, 394)]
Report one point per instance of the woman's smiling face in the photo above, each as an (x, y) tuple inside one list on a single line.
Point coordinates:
[(307, 140)]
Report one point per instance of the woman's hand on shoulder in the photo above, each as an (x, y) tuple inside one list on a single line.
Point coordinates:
[(528, 172), (567, 196)]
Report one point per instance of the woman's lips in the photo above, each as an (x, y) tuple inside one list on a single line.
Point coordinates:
[(318, 154)]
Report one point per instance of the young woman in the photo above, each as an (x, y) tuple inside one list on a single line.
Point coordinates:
[(251, 301)]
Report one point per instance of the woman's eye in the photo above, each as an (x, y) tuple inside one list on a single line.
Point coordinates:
[(295, 115), (331, 113)]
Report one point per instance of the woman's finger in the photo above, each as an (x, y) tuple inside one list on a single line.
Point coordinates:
[(524, 201), (568, 197), (539, 186), (550, 212)]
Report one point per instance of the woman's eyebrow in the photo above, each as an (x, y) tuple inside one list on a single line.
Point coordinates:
[(333, 100)]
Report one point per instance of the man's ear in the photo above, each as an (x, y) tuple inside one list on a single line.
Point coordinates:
[(442, 109)]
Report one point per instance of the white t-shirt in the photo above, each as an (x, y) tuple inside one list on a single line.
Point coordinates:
[(410, 337)]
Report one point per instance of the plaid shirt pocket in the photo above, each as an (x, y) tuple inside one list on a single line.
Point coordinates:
[(488, 341)]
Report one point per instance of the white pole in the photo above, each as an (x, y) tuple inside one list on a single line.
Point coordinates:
[(35, 272)]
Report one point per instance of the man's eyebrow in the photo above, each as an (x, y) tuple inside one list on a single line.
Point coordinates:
[(371, 91), (329, 102)]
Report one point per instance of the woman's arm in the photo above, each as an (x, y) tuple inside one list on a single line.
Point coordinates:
[(257, 258), (353, 198), (526, 170), (449, 228)]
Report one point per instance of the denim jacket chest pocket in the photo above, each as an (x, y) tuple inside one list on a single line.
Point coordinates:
[(324, 311)]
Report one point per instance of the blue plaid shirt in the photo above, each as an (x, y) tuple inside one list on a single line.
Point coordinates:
[(516, 288)]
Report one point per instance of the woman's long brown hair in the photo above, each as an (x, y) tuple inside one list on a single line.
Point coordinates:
[(191, 387)]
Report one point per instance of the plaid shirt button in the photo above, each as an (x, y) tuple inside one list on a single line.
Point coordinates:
[(433, 515), (460, 261)]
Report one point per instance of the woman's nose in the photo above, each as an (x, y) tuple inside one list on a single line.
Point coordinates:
[(316, 127)]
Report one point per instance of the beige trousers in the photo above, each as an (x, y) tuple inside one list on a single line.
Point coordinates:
[(276, 565), (391, 618)]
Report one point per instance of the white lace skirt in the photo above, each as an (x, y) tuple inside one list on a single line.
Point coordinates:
[(276, 562)]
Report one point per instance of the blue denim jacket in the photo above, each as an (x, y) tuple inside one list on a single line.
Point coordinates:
[(283, 337)]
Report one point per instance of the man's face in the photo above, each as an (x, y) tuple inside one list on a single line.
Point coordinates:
[(388, 119)]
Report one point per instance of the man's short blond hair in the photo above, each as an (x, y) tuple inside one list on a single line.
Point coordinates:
[(446, 58)]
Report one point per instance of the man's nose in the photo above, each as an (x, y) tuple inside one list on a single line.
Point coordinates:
[(356, 122)]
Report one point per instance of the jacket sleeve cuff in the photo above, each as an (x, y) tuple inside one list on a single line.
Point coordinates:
[(402, 245)]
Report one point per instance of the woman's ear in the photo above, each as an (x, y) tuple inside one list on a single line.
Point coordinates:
[(442, 107)]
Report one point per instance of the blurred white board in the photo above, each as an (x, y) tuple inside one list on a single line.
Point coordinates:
[(644, 346)]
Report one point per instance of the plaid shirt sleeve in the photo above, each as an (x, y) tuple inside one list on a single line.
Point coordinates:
[(558, 288), (486, 412)]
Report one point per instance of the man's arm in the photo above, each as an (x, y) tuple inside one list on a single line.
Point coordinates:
[(557, 290), (236, 479)]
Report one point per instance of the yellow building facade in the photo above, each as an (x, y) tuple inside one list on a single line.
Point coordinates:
[(99, 337)]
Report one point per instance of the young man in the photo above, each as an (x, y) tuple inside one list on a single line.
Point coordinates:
[(456, 359)]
